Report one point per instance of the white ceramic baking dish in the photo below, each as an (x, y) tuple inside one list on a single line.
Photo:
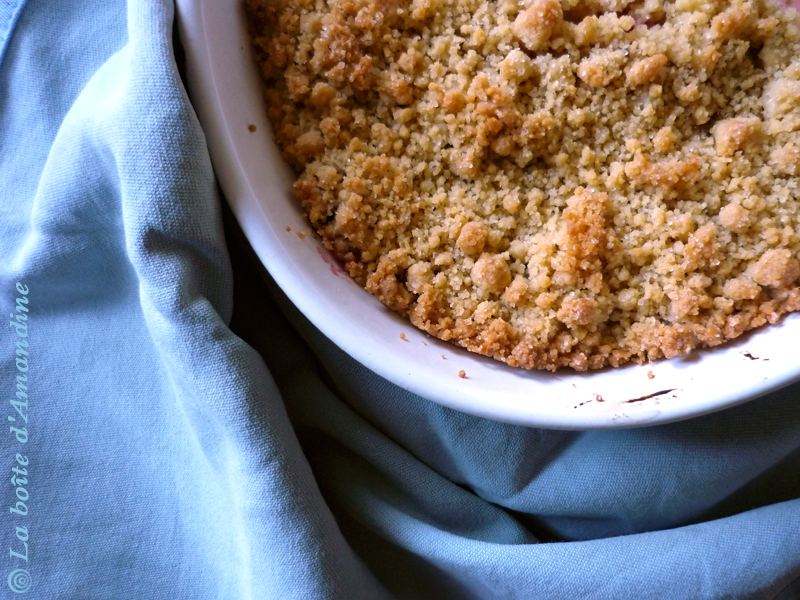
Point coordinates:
[(226, 92)]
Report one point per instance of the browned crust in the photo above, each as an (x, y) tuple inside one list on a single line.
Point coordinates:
[(550, 184)]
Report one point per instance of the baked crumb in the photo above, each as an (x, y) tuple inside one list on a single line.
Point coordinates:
[(553, 184), (301, 234), (462, 374), (288, 228), (443, 358), (650, 375), (402, 336), (252, 128)]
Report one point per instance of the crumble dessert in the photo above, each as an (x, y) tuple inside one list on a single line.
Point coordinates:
[(579, 183)]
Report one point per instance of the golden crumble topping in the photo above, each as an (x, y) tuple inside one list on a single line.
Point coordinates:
[(551, 183)]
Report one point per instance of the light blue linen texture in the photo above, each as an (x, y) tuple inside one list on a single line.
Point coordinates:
[(167, 457)]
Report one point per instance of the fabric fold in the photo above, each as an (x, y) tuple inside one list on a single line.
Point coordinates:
[(175, 428), (183, 432)]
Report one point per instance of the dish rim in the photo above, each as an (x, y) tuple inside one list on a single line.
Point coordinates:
[(226, 93)]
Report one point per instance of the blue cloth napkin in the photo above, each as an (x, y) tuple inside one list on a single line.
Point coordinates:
[(151, 452)]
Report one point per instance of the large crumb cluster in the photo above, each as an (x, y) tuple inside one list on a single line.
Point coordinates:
[(579, 183)]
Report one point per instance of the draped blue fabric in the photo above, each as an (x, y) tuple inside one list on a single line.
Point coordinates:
[(182, 432)]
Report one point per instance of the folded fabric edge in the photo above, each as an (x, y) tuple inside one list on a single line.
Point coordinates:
[(9, 15)]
